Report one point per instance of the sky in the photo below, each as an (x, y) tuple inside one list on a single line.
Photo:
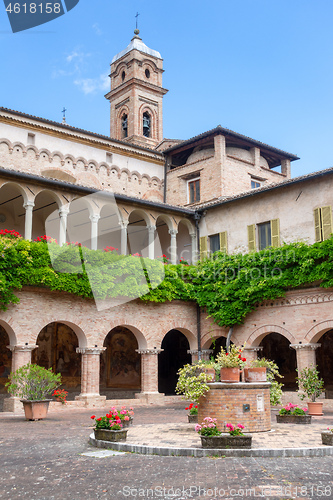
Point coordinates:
[(262, 68)]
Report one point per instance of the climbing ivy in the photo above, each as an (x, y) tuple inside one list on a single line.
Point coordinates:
[(228, 287)]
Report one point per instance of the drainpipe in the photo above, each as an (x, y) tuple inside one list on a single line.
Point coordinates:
[(228, 338), (197, 217)]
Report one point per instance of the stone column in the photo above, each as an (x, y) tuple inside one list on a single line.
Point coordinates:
[(123, 237), (21, 355), (151, 240), (195, 257), (149, 376), (251, 353), (305, 354), (90, 373), (205, 354), (173, 246), (94, 230), (63, 212), (29, 205)]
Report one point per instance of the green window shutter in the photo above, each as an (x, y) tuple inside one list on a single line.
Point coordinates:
[(224, 242), (275, 232), (203, 247), (317, 218), (251, 235), (326, 221)]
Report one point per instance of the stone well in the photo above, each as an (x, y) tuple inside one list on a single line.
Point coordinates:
[(238, 403)]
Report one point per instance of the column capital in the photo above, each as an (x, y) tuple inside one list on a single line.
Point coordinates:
[(63, 211), (90, 350), (94, 217), (149, 351), (152, 229), (21, 348), (123, 224), (310, 347), (173, 232), (29, 204)]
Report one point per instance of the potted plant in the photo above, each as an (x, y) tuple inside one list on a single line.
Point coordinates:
[(309, 382), (211, 437), (125, 416), (33, 384), (192, 381), (272, 371), (256, 372), (109, 428), (231, 363), (193, 415), (292, 414), (60, 395), (327, 437)]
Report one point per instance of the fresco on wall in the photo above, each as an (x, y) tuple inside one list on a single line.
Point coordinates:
[(120, 363), (57, 350), (5, 358)]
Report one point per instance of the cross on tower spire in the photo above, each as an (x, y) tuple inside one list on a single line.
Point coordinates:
[(136, 22), (64, 115)]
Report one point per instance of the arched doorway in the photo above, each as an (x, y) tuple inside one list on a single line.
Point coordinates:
[(120, 371), (276, 348), (216, 345), (137, 233), (173, 357), (57, 350), (5, 364), (324, 355)]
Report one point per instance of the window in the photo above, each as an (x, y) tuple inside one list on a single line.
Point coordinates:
[(255, 184), (194, 190), (267, 233), (124, 129), (31, 138), (218, 242), (123, 75), (146, 124), (323, 223), (147, 73)]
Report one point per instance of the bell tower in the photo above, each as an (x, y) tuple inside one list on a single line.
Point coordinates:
[(136, 95)]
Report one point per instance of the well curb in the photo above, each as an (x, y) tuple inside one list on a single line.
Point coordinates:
[(203, 452)]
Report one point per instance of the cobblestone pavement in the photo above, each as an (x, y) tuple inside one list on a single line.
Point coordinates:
[(51, 459)]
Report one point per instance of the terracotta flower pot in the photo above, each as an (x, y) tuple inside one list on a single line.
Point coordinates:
[(229, 375), (226, 441), (35, 410), (315, 408), (211, 372), (110, 435), (257, 374)]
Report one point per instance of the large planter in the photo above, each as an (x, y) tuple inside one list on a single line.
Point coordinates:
[(257, 374), (327, 438), (229, 375), (110, 435), (35, 410), (192, 419), (315, 408), (293, 419), (211, 372), (226, 441)]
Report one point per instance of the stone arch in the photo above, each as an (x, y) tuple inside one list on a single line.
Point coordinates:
[(10, 332), (121, 363), (136, 330), (45, 219), (215, 334), (175, 355), (19, 147), (191, 337), (184, 240), (114, 170), (81, 336), (317, 331), (8, 144), (13, 199), (109, 229), (164, 224), (188, 224), (144, 108), (33, 148), (257, 336), (45, 153)]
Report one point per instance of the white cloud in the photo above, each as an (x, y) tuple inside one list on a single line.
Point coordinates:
[(97, 29), (92, 85)]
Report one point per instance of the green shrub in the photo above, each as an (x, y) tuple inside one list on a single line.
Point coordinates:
[(33, 382)]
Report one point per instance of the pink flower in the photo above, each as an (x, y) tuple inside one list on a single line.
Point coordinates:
[(126, 418)]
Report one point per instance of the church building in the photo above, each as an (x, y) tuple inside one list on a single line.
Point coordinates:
[(140, 193)]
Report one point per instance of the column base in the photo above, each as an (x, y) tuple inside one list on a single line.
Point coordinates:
[(92, 400), (150, 397), (13, 404)]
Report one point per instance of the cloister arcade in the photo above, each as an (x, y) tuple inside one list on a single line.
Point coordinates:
[(97, 220)]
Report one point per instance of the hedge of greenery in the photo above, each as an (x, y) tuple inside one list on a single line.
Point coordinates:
[(227, 286)]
